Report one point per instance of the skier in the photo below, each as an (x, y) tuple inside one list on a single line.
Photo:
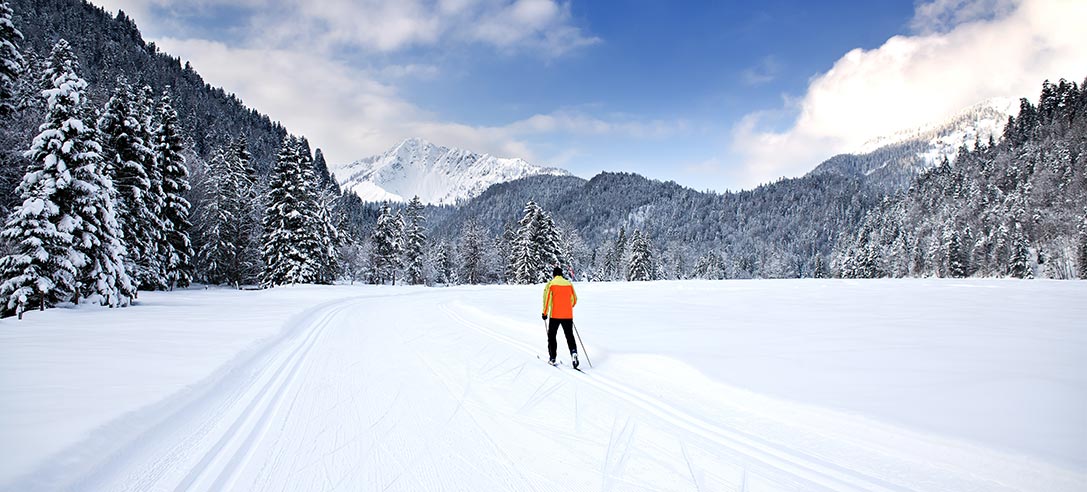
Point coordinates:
[(559, 298)]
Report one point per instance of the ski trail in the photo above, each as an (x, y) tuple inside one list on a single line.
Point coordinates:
[(806, 468), (232, 450)]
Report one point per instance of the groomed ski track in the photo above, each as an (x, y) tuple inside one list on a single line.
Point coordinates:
[(357, 394)]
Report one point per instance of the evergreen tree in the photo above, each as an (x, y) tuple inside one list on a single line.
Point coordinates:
[(414, 243), (820, 269), (525, 260), (615, 258), (473, 264), (548, 242), (445, 269), (642, 264), (215, 218), (65, 239), (11, 61), (128, 162), (321, 230), (388, 244), (325, 180), (175, 184), (956, 257), (1019, 263), (148, 116), (243, 202), (292, 250)]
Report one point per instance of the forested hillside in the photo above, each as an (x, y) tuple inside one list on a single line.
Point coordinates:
[(111, 50), (783, 229), (1015, 208)]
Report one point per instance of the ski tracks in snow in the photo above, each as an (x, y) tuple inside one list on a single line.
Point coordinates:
[(217, 469), (373, 393), (787, 469)]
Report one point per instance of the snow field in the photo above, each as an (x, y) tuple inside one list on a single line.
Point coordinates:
[(732, 385)]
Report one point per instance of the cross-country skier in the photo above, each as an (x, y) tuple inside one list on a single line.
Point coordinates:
[(559, 299)]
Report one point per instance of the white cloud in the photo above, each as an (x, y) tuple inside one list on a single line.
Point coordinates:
[(994, 50), (349, 114), (545, 27), (283, 64)]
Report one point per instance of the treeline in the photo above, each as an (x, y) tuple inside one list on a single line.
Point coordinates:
[(524, 253), (785, 229), (1017, 208)]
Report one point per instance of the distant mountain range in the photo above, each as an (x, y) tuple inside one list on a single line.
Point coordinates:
[(891, 162), (438, 175), (446, 176)]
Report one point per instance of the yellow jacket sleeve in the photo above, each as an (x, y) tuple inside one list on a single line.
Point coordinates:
[(547, 298), (573, 294)]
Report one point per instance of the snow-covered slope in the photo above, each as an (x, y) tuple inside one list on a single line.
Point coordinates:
[(439, 175), (893, 160), (944, 138), (790, 385)]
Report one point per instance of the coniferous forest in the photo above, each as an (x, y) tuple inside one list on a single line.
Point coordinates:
[(121, 170)]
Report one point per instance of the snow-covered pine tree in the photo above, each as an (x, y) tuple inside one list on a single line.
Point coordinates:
[(11, 60), (325, 181), (322, 232), (214, 216), (65, 239), (615, 259), (819, 269), (127, 157), (524, 254), (414, 242), (642, 264), (549, 246), (473, 263), (387, 245), (1019, 265), (956, 256), (175, 184), (444, 268), (148, 115), (243, 199), (292, 247)]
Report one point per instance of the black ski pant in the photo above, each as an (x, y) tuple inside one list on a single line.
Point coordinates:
[(552, 330)]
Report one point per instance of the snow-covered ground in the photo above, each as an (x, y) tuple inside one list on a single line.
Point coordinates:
[(889, 385)]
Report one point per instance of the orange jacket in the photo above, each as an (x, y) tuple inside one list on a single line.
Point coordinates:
[(560, 298)]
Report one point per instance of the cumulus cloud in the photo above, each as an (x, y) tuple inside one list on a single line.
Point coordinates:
[(970, 51)]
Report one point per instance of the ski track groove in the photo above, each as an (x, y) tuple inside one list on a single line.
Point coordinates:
[(510, 463), (690, 466), (803, 468), (230, 454)]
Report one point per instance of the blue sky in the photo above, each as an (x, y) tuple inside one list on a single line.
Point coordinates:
[(714, 95)]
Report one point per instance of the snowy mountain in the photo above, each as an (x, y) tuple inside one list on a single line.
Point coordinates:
[(439, 175), (893, 160)]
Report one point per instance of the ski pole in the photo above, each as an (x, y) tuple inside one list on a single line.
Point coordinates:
[(586, 352)]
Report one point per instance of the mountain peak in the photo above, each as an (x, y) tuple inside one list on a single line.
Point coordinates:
[(437, 174)]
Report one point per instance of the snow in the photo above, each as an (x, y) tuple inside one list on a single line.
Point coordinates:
[(917, 384), (944, 138), (438, 175)]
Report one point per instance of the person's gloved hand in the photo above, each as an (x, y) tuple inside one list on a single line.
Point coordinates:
[(544, 316)]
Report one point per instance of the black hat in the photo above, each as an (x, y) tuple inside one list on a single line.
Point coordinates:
[(557, 271)]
